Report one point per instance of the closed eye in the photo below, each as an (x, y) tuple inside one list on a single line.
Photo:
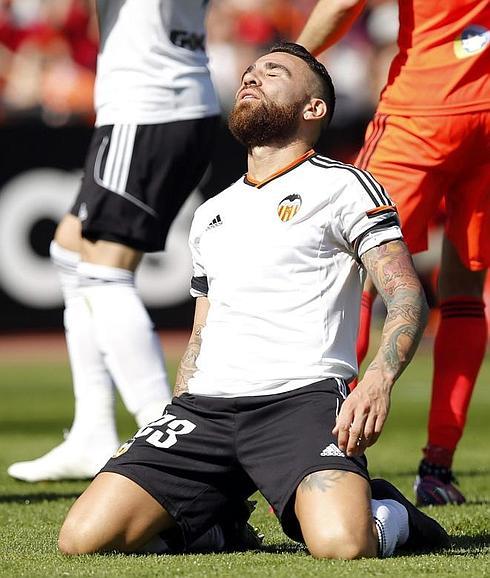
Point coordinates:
[(276, 69)]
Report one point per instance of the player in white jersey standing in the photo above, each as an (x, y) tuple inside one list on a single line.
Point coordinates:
[(157, 113), (279, 260)]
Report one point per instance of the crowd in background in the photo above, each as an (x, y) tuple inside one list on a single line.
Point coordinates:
[(48, 51)]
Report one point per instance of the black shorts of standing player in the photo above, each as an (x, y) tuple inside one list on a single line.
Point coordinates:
[(207, 453), (137, 177)]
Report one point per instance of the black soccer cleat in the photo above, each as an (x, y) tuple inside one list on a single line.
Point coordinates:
[(424, 532), (238, 533)]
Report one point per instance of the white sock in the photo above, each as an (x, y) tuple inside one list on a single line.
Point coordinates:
[(126, 335), (94, 421), (391, 519)]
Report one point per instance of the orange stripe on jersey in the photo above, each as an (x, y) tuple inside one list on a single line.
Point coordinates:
[(281, 171), (382, 209)]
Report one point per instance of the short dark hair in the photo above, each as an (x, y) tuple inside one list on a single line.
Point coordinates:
[(328, 90)]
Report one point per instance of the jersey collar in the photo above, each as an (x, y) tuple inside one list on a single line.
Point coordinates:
[(258, 184)]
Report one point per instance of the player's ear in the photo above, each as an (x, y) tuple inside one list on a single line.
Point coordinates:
[(315, 109)]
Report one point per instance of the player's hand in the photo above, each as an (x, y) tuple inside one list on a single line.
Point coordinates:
[(362, 416)]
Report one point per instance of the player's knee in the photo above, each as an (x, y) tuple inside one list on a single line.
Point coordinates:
[(340, 545), (73, 540), (68, 233), (79, 537)]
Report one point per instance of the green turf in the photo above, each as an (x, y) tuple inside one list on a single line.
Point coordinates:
[(36, 405)]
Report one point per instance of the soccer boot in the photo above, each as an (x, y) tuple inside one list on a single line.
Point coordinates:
[(232, 533), (67, 461), (424, 532), (434, 486), (435, 482), (239, 535)]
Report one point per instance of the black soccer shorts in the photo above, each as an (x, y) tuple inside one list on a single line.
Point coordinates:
[(207, 452), (137, 177)]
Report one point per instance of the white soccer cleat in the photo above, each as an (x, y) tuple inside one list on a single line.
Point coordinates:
[(68, 461)]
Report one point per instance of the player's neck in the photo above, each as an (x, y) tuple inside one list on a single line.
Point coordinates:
[(265, 161)]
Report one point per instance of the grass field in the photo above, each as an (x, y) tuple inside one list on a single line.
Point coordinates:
[(36, 405)]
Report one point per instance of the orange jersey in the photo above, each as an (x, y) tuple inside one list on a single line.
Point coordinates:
[(443, 63)]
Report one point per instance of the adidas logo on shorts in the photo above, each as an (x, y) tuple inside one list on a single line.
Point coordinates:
[(83, 212), (332, 450)]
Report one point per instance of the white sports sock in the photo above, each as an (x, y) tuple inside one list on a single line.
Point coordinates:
[(391, 519), (125, 334), (94, 421)]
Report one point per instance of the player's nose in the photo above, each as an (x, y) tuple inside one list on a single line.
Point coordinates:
[(250, 78)]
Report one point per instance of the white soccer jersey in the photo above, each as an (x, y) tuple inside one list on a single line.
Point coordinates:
[(152, 66), (279, 262)]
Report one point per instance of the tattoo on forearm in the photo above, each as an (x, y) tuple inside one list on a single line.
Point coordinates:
[(187, 366), (323, 480), (390, 267)]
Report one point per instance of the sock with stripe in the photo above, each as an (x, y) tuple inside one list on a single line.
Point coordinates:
[(365, 315), (94, 421), (125, 335), (391, 520), (458, 354)]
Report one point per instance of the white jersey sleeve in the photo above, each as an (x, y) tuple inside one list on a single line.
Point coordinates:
[(365, 216), (199, 282)]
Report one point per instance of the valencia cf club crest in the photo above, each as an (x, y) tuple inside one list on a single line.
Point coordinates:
[(288, 207), (123, 449)]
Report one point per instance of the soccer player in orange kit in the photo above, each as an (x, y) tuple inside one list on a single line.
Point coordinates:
[(429, 141)]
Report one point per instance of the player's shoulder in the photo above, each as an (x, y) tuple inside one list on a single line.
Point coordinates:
[(350, 181), (215, 203), (336, 168)]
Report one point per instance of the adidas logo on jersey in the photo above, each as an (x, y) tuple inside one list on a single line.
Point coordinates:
[(332, 450), (216, 222)]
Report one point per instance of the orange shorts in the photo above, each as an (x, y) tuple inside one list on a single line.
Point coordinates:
[(422, 161)]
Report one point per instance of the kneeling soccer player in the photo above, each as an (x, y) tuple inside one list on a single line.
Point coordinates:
[(262, 403)]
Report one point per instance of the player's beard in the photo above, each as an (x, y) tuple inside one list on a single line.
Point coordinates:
[(264, 123)]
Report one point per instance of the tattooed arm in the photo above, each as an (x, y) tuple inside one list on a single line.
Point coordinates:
[(364, 412), (187, 365)]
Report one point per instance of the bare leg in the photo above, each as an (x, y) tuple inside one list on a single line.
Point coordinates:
[(455, 280), (111, 254), (334, 510), (69, 233), (113, 513)]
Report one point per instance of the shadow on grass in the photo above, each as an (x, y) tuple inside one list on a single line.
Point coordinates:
[(282, 548), (461, 473), (469, 544), (37, 498)]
